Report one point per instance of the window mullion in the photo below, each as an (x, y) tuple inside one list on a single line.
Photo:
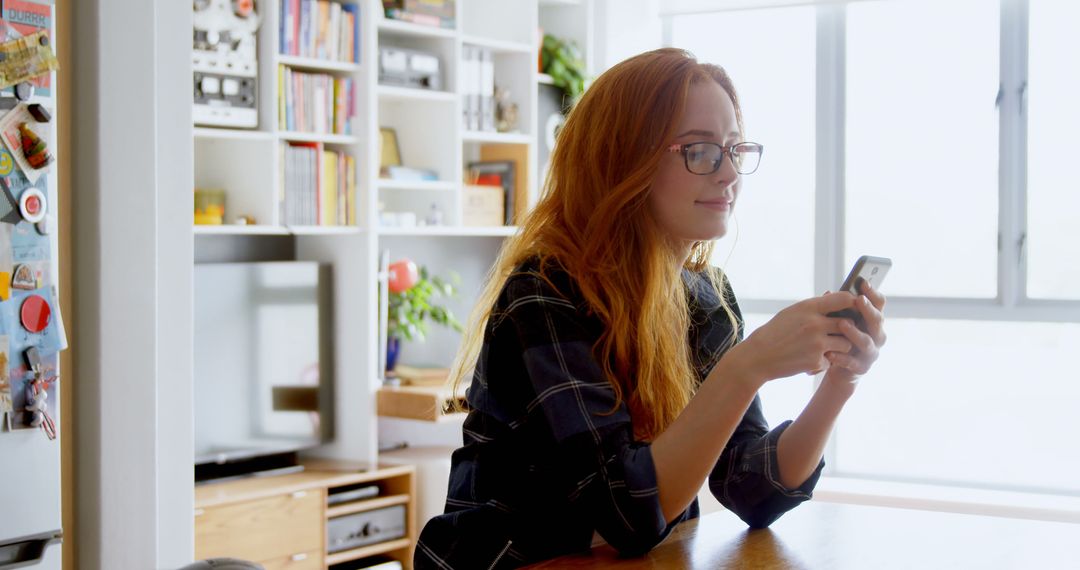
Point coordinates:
[(1012, 145), (829, 161)]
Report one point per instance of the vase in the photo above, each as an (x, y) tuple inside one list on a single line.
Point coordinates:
[(393, 349)]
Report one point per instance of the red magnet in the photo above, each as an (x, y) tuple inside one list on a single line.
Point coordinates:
[(35, 313)]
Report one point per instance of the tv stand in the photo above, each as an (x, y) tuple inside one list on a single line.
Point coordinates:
[(280, 521), (258, 466)]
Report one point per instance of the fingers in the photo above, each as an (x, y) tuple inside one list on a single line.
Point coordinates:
[(870, 306), (848, 362), (832, 302)]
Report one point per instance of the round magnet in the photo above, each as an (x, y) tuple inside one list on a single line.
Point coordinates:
[(35, 313), (32, 205), (43, 40), (24, 91), (42, 227)]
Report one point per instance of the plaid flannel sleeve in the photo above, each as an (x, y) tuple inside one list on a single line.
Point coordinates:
[(746, 479), (607, 476)]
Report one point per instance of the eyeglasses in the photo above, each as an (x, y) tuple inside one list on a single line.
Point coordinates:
[(705, 157)]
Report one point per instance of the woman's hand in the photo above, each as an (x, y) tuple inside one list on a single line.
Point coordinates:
[(798, 338), (846, 367)]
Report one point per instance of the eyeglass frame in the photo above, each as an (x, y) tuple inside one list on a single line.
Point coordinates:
[(724, 151)]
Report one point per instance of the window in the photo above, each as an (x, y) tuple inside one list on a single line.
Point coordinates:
[(770, 57), (975, 386), (1053, 194), (922, 145)]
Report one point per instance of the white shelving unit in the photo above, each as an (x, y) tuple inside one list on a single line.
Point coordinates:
[(431, 135)]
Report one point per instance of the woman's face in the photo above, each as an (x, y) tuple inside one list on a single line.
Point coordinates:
[(690, 207)]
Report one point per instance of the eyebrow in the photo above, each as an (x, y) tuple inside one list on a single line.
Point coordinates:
[(704, 133)]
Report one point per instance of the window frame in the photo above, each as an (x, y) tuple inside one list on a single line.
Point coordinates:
[(1012, 303)]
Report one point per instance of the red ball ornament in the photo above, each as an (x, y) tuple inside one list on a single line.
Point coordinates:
[(403, 275)]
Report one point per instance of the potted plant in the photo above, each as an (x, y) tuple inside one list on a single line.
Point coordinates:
[(412, 303), (562, 60)]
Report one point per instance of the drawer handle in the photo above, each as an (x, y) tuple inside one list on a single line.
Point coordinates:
[(299, 557), (199, 512), (299, 494)]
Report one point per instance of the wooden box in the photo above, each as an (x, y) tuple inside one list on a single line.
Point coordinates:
[(482, 205)]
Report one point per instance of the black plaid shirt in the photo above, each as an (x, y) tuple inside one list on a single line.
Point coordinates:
[(544, 464)]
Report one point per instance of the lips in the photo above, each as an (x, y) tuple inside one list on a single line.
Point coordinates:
[(718, 204)]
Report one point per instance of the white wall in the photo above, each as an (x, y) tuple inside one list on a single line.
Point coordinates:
[(625, 28), (131, 192)]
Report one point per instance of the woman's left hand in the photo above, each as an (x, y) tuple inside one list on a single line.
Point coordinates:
[(848, 367)]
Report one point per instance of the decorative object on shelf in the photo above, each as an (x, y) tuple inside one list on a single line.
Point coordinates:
[(435, 215), (562, 61), (389, 153), (243, 220), (413, 68), (209, 207), (435, 13), (412, 295), (482, 205), (506, 111), (496, 173), (224, 39)]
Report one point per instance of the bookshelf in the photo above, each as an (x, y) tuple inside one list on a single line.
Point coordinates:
[(432, 135)]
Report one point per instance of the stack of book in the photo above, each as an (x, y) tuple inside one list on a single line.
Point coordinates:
[(438, 13), (318, 186), (320, 30), (315, 102)]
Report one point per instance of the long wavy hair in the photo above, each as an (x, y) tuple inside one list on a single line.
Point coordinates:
[(593, 220)]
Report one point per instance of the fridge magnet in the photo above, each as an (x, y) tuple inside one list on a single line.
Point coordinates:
[(26, 58), (35, 150), (32, 205), (7, 164), (38, 410), (12, 134), (5, 286), (9, 207), (31, 321), (24, 18), (42, 227), (23, 278), (39, 112), (23, 91), (35, 313)]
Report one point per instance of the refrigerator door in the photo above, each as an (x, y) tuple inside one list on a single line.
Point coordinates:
[(30, 493)]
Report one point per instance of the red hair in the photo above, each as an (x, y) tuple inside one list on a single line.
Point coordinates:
[(594, 221)]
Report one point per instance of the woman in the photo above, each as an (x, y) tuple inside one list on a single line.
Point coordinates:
[(608, 377)]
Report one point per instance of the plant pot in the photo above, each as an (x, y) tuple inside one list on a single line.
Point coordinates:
[(393, 350)]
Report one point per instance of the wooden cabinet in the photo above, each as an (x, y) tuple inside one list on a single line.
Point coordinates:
[(280, 522)]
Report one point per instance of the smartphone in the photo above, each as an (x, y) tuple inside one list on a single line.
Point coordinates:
[(867, 268)]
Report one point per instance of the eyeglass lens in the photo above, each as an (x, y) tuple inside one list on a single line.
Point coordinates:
[(705, 158)]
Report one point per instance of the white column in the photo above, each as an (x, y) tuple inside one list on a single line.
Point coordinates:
[(131, 196)]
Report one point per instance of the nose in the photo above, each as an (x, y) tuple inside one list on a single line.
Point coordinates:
[(726, 175)]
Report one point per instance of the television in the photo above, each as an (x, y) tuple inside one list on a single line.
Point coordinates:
[(263, 365)]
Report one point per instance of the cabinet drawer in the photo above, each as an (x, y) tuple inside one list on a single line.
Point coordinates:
[(312, 560), (263, 529)]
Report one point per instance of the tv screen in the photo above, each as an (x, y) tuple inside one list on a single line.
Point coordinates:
[(263, 359)]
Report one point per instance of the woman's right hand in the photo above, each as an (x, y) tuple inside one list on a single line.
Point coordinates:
[(797, 338)]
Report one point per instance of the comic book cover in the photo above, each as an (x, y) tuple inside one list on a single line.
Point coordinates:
[(21, 18)]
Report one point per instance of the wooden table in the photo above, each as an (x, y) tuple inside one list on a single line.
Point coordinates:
[(829, 535)]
